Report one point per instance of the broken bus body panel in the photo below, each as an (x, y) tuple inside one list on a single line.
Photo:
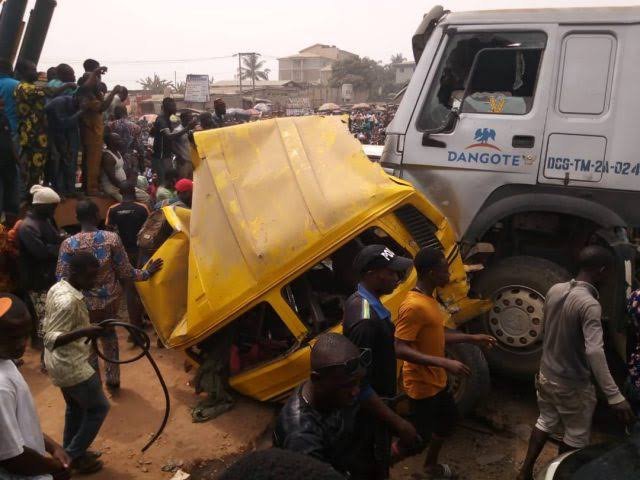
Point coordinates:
[(272, 200)]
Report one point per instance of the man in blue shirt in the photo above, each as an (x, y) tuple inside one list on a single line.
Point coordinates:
[(8, 85)]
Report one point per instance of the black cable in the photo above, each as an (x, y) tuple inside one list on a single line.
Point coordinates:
[(142, 340)]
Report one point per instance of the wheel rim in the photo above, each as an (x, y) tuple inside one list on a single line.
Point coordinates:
[(516, 319)]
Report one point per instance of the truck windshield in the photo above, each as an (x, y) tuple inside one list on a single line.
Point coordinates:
[(505, 69)]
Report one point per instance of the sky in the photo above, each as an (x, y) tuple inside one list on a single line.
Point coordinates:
[(137, 38)]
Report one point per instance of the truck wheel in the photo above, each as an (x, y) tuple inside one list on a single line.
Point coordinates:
[(469, 391), (517, 286)]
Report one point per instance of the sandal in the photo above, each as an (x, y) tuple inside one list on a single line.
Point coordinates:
[(445, 472)]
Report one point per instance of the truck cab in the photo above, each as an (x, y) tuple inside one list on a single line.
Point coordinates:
[(519, 125)]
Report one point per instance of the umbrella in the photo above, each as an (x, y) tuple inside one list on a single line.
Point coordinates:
[(262, 107), (361, 106), (328, 106), (237, 114)]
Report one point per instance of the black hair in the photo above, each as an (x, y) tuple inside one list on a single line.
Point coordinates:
[(426, 259), (64, 69), (166, 101), (86, 211), (594, 257), (127, 187), (52, 73), (81, 260), (6, 68), (171, 174), (120, 111), (124, 92), (17, 308), (22, 66), (90, 65), (277, 464)]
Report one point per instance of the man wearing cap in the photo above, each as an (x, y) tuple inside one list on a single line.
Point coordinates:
[(367, 323), (184, 191), (319, 418), (39, 242)]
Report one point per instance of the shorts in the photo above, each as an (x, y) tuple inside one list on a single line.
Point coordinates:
[(435, 415), (566, 407)]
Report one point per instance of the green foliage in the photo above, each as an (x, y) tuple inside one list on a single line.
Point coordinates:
[(363, 73), (155, 84), (398, 58), (253, 68)]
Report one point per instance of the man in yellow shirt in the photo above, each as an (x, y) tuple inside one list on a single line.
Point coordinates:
[(420, 340)]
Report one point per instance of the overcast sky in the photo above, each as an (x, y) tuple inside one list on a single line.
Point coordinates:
[(136, 38)]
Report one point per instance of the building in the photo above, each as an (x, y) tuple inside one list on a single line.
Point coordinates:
[(312, 64), (403, 71)]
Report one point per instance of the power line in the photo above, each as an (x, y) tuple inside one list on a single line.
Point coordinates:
[(137, 62)]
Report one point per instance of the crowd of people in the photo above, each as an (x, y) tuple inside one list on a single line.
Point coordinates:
[(58, 288), (369, 126)]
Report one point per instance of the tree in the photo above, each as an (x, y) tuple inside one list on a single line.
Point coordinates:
[(253, 68), (155, 84), (398, 58), (180, 87), (362, 73)]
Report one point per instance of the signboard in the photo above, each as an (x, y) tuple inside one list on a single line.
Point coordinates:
[(197, 88)]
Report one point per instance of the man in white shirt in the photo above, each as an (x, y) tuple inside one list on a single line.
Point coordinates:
[(23, 446), (66, 327)]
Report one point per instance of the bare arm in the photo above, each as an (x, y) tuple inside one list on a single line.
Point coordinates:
[(453, 336), (55, 91), (87, 332), (109, 167), (374, 405), (406, 352), (31, 463)]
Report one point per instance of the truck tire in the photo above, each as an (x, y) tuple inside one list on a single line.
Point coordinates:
[(517, 286), (469, 391)]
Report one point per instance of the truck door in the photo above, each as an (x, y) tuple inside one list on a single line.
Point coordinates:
[(497, 78), (577, 149)]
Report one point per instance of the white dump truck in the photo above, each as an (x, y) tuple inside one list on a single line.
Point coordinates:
[(522, 127)]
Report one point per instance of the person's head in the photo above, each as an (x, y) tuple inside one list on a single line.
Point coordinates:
[(44, 200), (120, 112), (90, 65), (101, 88), (595, 263), (184, 190), (380, 269), (432, 268), (185, 118), (168, 106), (219, 107), (26, 71), (142, 182), (87, 213), (6, 68), (123, 93), (52, 74), (128, 190), (113, 141), (66, 73), (15, 327), (170, 178), (278, 464), (336, 371), (206, 121), (83, 270)]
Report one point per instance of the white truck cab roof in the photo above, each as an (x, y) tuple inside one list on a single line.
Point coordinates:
[(584, 15)]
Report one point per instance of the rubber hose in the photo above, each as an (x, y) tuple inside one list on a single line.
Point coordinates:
[(142, 340)]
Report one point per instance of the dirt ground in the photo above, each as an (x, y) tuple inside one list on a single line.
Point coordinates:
[(487, 447)]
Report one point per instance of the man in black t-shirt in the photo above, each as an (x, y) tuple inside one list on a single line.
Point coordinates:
[(318, 419), (163, 136), (127, 218)]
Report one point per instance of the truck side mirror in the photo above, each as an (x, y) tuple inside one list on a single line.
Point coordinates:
[(427, 141)]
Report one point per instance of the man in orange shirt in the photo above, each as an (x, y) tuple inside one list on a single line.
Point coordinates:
[(420, 340)]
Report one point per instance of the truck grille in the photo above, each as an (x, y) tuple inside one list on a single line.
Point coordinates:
[(420, 227)]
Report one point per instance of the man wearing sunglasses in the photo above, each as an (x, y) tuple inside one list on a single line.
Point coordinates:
[(319, 418), (367, 323)]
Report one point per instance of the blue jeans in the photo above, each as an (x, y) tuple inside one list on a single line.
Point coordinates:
[(87, 407)]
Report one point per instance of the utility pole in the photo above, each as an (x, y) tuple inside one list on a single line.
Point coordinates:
[(254, 55)]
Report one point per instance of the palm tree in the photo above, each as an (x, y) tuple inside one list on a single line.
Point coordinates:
[(252, 70), (155, 84), (180, 87), (398, 58)]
